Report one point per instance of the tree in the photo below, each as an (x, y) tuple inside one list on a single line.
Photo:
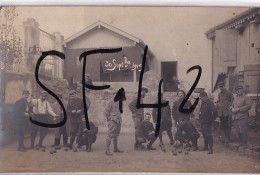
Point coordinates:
[(10, 44)]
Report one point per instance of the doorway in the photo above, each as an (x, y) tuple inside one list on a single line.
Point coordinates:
[(168, 71)]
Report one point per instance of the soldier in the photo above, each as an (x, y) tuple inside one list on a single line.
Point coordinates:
[(138, 113), (166, 122), (206, 116), (145, 131), (61, 130), (21, 109), (114, 119), (41, 109), (176, 114), (85, 136), (186, 133), (240, 110), (76, 112), (225, 99)]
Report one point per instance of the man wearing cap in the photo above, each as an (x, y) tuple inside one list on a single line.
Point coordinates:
[(60, 130), (225, 99), (76, 112), (22, 109), (166, 122), (114, 119), (145, 132), (206, 118), (41, 109), (138, 113), (240, 113)]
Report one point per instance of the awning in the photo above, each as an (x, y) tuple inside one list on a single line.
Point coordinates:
[(221, 77), (130, 58)]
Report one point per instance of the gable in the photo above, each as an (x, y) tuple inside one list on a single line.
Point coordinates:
[(99, 37)]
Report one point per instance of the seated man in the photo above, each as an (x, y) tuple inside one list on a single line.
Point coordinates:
[(186, 133), (85, 136), (145, 131)]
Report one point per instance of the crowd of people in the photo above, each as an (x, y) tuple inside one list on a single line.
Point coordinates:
[(231, 110)]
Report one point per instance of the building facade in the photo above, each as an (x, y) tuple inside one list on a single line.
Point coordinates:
[(236, 51)]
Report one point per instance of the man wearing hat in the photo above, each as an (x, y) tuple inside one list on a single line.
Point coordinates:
[(75, 112), (41, 109), (114, 119), (61, 130), (166, 122), (240, 113), (225, 99), (206, 117), (138, 113), (22, 109)]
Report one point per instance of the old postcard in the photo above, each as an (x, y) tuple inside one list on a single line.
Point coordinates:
[(130, 89)]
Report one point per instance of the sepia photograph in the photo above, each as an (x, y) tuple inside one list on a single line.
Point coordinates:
[(129, 89)]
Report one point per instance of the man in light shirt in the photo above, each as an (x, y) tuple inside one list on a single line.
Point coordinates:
[(41, 109)]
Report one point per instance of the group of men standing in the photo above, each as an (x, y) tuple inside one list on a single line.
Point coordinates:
[(230, 110), (40, 110)]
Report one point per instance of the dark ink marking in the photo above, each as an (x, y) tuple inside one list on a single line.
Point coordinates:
[(45, 54), (159, 112), (120, 96), (159, 105), (186, 98), (84, 57)]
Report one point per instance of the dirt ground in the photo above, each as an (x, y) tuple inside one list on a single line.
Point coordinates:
[(222, 161)]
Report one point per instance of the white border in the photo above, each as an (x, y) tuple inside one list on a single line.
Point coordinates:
[(225, 3)]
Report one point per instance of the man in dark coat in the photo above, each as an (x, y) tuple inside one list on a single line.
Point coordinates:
[(76, 112), (145, 131), (85, 136), (225, 99), (186, 133), (166, 122), (207, 116), (22, 109)]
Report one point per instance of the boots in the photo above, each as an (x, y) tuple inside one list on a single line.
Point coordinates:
[(194, 144), (244, 140), (240, 140), (88, 146), (65, 141), (72, 139), (116, 150), (210, 141), (206, 148), (108, 153)]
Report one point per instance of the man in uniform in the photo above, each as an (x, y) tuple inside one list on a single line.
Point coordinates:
[(85, 136), (138, 113), (186, 133), (225, 99), (176, 114), (114, 119), (145, 131), (21, 107), (166, 122), (41, 109), (76, 112), (240, 110), (60, 130), (207, 116)]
